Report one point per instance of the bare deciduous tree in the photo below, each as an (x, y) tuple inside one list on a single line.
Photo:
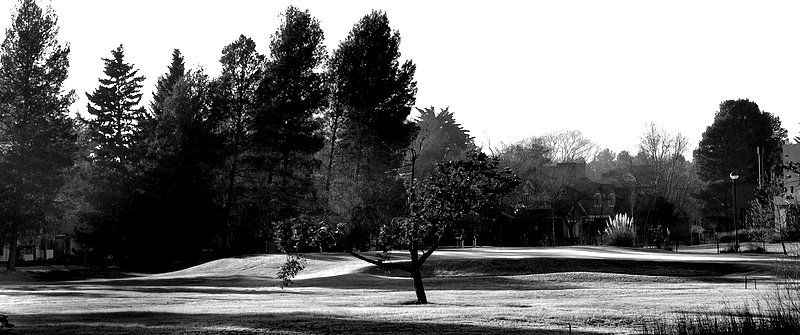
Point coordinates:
[(568, 146)]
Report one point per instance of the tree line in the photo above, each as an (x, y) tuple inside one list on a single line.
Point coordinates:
[(215, 166)]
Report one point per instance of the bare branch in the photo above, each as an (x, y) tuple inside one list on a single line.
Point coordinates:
[(430, 251), (381, 264)]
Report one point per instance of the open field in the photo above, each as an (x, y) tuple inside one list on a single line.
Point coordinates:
[(485, 290)]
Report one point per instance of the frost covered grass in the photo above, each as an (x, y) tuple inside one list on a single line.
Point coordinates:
[(484, 290)]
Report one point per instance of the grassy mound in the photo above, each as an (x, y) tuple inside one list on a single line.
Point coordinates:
[(266, 266)]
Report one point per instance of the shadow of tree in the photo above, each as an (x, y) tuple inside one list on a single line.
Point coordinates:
[(542, 265), (263, 323)]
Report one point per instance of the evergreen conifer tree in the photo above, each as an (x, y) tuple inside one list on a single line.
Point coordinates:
[(286, 131), (118, 118), (374, 95), (117, 148), (37, 136), (167, 81), (234, 105), (440, 139)]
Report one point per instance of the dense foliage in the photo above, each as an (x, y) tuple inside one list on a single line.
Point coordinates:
[(37, 136), (729, 144)]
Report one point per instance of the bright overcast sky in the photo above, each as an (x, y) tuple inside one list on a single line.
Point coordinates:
[(507, 69)]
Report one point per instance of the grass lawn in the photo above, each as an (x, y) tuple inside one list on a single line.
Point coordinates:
[(593, 290)]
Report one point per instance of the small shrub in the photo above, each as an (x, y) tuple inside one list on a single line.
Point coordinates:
[(293, 265), (619, 231)]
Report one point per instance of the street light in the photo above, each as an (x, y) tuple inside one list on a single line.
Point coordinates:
[(735, 176)]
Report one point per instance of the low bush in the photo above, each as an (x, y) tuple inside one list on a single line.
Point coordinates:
[(619, 231), (293, 265)]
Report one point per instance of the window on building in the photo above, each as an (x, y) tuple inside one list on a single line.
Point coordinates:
[(612, 200), (598, 200)]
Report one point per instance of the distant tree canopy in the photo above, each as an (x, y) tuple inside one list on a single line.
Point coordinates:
[(440, 139), (661, 178), (37, 136), (529, 160), (167, 81), (568, 146), (601, 164), (729, 144)]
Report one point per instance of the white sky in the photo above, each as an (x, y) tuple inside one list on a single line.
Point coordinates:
[(507, 69)]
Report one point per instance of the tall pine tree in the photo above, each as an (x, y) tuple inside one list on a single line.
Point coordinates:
[(37, 137), (116, 151), (167, 81), (118, 117), (286, 132), (234, 105), (374, 93), (177, 211)]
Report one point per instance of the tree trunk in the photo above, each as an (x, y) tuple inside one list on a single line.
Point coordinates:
[(329, 173), (12, 248), (783, 244), (230, 198), (416, 274)]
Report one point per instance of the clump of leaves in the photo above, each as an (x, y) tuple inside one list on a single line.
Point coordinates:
[(305, 233), (293, 265)]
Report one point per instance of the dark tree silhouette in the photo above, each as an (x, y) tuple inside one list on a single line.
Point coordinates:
[(374, 94), (287, 133), (235, 107), (116, 150), (729, 144), (115, 129), (37, 137), (176, 207)]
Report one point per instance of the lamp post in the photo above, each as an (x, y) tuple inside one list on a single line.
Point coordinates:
[(735, 176)]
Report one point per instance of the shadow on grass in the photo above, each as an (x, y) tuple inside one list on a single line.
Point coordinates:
[(527, 266), (197, 285), (263, 323), (216, 281), (404, 283), (59, 294), (79, 274)]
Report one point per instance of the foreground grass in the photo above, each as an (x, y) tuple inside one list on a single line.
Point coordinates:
[(515, 291)]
